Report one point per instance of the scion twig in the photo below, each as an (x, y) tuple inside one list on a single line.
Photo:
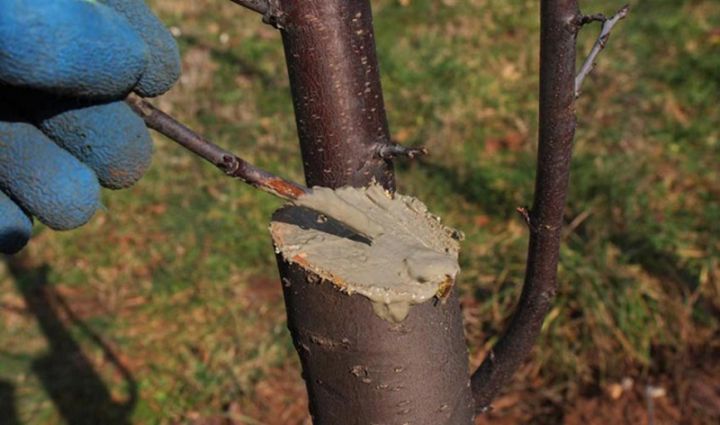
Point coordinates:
[(607, 25), (229, 163), (259, 6)]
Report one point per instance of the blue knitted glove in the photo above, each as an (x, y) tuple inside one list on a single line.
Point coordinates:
[(65, 65)]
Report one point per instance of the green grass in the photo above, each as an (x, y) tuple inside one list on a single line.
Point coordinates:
[(178, 273)]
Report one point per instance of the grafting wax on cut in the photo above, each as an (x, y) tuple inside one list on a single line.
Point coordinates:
[(388, 248)]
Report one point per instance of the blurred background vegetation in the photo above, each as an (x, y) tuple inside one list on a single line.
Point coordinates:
[(166, 307)]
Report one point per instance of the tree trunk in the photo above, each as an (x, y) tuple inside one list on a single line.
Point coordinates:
[(384, 359), (359, 368), (335, 82)]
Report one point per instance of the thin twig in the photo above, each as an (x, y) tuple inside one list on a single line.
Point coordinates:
[(598, 17), (577, 221), (259, 6), (393, 150), (600, 43), (229, 163), (272, 15)]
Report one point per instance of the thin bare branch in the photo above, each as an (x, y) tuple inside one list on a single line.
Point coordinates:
[(597, 17), (576, 222), (229, 163), (393, 150), (607, 25), (259, 6)]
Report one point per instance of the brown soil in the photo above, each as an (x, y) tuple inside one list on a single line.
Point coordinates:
[(281, 400)]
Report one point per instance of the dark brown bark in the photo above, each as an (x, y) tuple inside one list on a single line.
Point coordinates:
[(358, 368), (560, 22), (361, 369), (335, 82)]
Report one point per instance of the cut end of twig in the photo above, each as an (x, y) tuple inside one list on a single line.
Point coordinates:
[(394, 150)]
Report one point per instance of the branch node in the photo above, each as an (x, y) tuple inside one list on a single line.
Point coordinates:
[(390, 151), (273, 15), (229, 164)]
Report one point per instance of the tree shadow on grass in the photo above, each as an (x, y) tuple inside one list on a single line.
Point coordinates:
[(70, 379), (7, 404)]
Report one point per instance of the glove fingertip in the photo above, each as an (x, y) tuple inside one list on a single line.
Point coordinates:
[(15, 226), (111, 139), (163, 69), (69, 47), (44, 179), (78, 195)]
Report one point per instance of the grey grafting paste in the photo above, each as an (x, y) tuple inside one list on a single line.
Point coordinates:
[(388, 248)]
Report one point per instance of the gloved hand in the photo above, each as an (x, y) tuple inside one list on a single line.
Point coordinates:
[(65, 65)]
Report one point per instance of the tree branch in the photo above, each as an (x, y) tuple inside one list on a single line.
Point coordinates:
[(560, 21), (559, 24), (259, 6), (272, 15), (600, 43), (229, 163), (391, 151), (598, 17)]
